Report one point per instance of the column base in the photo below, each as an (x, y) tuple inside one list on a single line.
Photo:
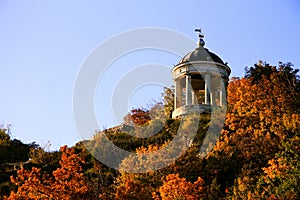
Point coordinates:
[(184, 110)]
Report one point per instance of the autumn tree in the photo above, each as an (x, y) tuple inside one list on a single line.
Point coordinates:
[(168, 98), (284, 74), (280, 179), (256, 156), (13, 153), (158, 160), (66, 182), (149, 178), (129, 187), (175, 187), (137, 116), (259, 109)]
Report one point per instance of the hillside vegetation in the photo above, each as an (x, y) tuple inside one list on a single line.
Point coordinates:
[(256, 156)]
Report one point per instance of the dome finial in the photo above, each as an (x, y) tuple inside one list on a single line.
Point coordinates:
[(201, 42)]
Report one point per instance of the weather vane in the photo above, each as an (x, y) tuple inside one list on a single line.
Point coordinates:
[(201, 36), (200, 32)]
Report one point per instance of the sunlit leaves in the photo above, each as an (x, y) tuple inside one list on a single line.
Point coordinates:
[(175, 187), (65, 183)]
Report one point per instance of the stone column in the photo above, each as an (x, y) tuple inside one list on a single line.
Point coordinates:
[(194, 98), (178, 93), (175, 94), (212, 98), (188, 87), (207, 90), (221, 91)]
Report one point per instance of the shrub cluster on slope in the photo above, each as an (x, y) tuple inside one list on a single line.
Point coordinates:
[(256, 156)]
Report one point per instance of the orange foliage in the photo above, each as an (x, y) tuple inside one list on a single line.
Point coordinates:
[(137, 116), (129, 188), (65, 183), (175, 187), (258, 116), (277, 167), (261, 114)]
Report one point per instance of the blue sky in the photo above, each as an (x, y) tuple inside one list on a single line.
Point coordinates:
[(44, 43)]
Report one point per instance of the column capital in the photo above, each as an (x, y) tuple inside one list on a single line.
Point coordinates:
[(188, 74)]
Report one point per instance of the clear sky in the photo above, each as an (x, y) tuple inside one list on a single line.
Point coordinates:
[(44, 43)]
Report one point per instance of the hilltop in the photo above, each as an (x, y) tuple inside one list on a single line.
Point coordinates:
[(255, 157)]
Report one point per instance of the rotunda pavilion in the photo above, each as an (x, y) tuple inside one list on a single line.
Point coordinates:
[(201, 78)]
